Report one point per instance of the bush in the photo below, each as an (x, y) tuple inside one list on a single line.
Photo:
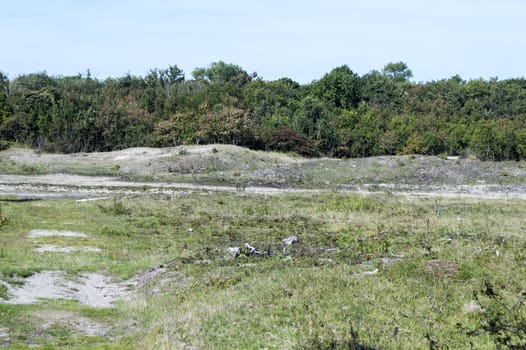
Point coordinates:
[(288, 140), (4, 145), (505, 322)]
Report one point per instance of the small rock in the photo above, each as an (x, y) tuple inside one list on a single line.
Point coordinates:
[(290, 240), (189, 229), (251, 250), (366, 273), (472, 307), (234, 251)]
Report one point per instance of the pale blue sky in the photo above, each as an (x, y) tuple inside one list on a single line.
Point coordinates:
[(299, 39)]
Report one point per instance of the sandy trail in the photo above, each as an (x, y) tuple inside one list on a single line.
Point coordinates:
[(59, 186), (77, 186)]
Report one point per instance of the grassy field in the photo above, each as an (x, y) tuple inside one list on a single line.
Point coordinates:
[(381, 270)]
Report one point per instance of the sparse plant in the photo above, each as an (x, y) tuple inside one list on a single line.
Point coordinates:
[(3, 218), (3, 292), (29, 169), (350, 341), (117, 208)]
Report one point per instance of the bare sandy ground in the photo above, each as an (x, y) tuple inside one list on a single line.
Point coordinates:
[(92, 289), (58, 186), (51, 248), (416, 176), (4, 337), (51, 233), (70, 320)]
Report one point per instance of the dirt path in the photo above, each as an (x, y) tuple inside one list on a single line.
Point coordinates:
[(59, 186)]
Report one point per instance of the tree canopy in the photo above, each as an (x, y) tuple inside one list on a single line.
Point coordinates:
[(342, 114)]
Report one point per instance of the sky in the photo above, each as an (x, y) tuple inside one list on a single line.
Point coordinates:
[(298, 39)]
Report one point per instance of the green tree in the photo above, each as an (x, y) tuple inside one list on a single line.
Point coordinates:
[(34, 100), (311, 111), (403, 126), (221, 72), (278, 97), (415, 144), (386, 95), (520, 138), (5, 109), (164, 77), (493, 140), (477, 103), (458, 136), (181, 128), (398, 71), (359, 132), (4, 85), (341, 88)]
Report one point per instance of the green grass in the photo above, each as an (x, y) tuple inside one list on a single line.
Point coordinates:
[(306, 298)]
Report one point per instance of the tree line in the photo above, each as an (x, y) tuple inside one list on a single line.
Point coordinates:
[(342, 114)]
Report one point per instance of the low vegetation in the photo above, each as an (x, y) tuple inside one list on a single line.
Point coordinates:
[(375, 271)]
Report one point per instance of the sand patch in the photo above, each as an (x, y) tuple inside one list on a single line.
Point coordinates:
[(50, 248), (52, 233), (92, 289)]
